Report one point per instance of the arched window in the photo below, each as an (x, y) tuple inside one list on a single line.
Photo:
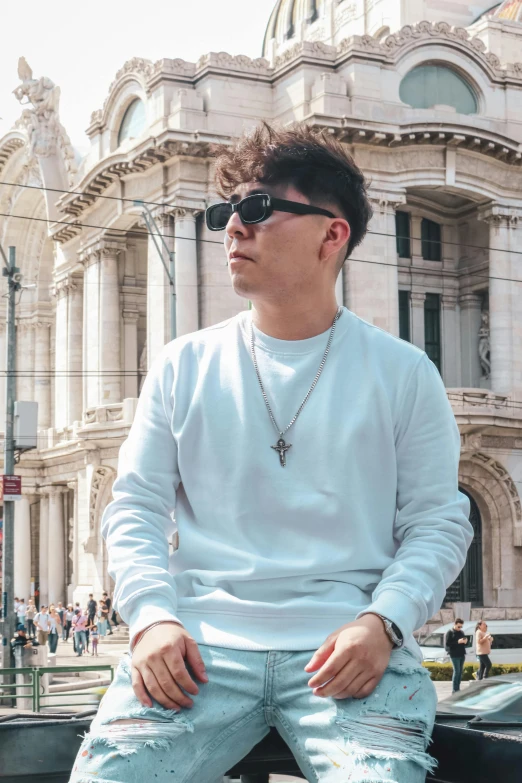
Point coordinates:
[(133, 122), (433, 85), (468, 585)]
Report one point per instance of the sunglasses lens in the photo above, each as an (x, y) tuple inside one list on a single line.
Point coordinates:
[(253, 209), (218, 216)]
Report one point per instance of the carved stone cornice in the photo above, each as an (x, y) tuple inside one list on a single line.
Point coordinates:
[(470, 301), (386, 202), (56, 489), (500, 215), (66, 285), (423, 33), (449, 301), (184, 213), (130, 316), (105, 245), (417, 298)]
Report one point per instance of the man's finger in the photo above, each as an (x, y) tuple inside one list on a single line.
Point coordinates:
[(331, 668), (169, 683), (353, 687), (154, 689), (367, 689), (180, 675), (139, 688), (341, 681)]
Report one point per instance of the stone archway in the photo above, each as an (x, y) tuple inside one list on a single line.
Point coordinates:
[(497, 499)]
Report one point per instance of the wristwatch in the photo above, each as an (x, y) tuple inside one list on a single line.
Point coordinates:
[(392, 631)]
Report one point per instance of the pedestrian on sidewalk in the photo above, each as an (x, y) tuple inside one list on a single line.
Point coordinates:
[(20, 613), (455, 644), (42, 623), (93, 628), (102, 619), (91, 609), (69, 614), (484, 642), (55, 629), (61, 613), (29, 616), (108, 603), (78, 624)]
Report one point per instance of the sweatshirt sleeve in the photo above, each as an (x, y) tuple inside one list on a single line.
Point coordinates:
[(432, 525), (138, 523)]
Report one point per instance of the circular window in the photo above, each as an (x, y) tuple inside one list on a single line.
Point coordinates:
[(432, 85), (133, 122)]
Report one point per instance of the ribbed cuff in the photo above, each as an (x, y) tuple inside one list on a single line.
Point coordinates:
[(399, 608)]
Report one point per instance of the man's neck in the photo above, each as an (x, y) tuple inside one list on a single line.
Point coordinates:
[(294, 322)]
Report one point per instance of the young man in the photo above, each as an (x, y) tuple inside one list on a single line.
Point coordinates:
[(108, 604), (312, 459), (455, 644), (42, 623), (92, 606), (79, 624)]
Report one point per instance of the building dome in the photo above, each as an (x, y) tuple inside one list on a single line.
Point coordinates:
[(510, 10), (293, 20)]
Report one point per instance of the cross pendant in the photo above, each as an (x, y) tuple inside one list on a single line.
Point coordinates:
[(282, 448)]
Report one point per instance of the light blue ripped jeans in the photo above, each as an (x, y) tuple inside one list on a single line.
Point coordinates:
[(382, 738)]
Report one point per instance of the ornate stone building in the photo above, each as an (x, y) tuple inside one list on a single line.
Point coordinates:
[(426, 95)]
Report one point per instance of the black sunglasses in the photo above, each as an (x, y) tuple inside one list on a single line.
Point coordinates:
[(255, 209)]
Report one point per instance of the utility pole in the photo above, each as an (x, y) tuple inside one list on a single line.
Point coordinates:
[(8, 617), (170, 270)]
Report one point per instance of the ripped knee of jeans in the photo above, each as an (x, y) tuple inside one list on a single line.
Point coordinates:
[(126, 735), (381, 736)]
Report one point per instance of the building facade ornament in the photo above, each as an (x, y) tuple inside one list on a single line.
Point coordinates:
[(42, 124), (105, 245), (484, 345)]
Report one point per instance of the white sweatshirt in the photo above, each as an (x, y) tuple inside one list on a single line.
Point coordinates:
[(366, 514)]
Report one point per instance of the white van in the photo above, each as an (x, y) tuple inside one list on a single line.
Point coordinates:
[(506, 647)]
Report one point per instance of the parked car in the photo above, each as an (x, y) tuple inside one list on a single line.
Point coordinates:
[(478, 733), (506, 648)]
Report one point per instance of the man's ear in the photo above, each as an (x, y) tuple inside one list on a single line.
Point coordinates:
[(336, 238)]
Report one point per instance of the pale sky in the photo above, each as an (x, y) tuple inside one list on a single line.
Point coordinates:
[(81, 46)]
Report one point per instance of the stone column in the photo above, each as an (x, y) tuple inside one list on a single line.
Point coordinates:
[(60, 353), (74, 348), (417, 300), (56, 545), (42, 379), (25, 360), (505, 312), (130, 350), (158, 288), (44, 546), (371, 274), (109, 322), (450, 328), (71, 544), (470, 318), (187, 310), (3, 362), (101, 322), (22, 548)]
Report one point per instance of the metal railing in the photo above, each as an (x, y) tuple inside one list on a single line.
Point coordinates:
[(34, 689)]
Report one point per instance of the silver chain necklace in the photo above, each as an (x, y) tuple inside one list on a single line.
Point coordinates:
[(281, 446)]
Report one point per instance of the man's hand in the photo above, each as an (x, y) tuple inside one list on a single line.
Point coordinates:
[(158, 666), (353, 658), (463, 641)]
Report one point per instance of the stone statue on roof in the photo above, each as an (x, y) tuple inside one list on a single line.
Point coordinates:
[(41, 118)]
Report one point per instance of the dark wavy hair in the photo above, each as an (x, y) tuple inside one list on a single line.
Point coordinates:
[(311, 160)]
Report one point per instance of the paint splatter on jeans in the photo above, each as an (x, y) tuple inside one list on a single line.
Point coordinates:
[(380, 739)]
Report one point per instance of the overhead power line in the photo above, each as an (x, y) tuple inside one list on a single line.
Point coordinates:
[(404, 268), (131, 232)]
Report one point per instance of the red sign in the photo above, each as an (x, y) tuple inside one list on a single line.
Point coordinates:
[(12, 487)]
